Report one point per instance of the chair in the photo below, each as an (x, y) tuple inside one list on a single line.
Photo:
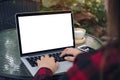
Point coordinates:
[(8, 9)]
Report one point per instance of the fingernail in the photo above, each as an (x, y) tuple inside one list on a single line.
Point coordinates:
[(66, 57)]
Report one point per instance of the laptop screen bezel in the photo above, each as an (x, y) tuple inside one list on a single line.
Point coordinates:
[(40, 13)]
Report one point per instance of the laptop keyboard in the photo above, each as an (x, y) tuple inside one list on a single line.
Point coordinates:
[(32, 60)]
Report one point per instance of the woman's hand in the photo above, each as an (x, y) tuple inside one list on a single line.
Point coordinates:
[(48, 62), (70, 51)]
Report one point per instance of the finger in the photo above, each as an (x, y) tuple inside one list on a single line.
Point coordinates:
[(70, 50), (37, 61), (52, 58), (46, 56), (67, 53), (70, 58), (64, 52), (42, 57)]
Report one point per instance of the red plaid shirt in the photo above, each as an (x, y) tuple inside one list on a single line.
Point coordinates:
[(89, 66)]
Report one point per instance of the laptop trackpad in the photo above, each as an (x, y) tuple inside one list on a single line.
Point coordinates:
[(64, 66)]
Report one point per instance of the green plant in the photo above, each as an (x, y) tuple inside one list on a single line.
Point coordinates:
[(96, 7)]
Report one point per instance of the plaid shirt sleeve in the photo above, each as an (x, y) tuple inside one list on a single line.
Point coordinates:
[(86, 67), (43, 74)]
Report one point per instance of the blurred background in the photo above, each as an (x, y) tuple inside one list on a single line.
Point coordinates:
[(88, 14)]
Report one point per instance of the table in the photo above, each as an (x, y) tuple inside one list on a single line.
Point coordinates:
[(10, 63)]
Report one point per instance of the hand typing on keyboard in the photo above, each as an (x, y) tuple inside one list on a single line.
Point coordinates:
[(32, 60), (48, 62), (51, 61), (70, 54)]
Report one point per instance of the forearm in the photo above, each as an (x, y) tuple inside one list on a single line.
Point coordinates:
[(43, 74)]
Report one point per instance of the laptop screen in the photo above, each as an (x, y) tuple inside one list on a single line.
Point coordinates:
[(40, 32)]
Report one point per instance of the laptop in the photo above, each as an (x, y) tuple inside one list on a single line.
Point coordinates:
[(45, 33)]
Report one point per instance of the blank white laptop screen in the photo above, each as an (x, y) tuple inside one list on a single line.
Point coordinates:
[(45, 32)]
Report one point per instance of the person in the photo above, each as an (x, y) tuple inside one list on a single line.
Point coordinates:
[(104, 64)]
